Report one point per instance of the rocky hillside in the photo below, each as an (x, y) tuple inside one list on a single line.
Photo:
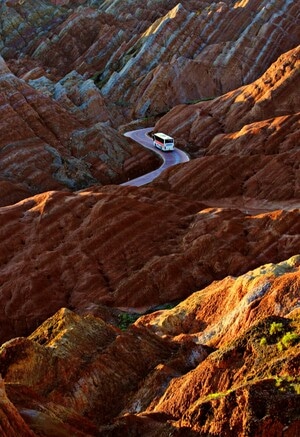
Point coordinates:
[(63, 97), (259, 118), (165, 310), (44, 146), (147, 58), (226, 44), (125, 247), (229, 350), (246, 142)]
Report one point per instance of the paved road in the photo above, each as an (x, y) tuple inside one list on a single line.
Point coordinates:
[(169, 158)]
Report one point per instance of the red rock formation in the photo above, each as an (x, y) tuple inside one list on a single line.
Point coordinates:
[(148, 60), (272, 100), (169, 382), (248, 140), (224, 361), (125, 247), (201, 52), (11, 422), (257, 294), (91, 347), (43, 146), (12, 193)]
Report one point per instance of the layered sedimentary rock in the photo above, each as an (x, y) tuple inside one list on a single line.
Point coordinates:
[(147, 58), (46, 145), (126, 247), (178, 371), (78, 96), (246, 141), (216, 240), (246, 299), (262, 113), (201, 52)]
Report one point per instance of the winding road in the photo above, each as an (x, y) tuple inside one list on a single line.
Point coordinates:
[(177, 156), (169, 159)]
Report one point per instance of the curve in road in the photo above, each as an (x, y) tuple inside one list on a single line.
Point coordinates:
[(249, 206), (169, 159)]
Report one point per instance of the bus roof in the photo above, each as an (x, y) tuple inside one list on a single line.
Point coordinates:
[(163, 136)]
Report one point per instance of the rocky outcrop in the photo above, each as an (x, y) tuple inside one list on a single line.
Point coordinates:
[(246, 142), (46, 145), (201, 53), (78, 96), (246, 116), (257, 294), (126, 247), (179, 371), (255, 181), (146, 60), (101, 357)]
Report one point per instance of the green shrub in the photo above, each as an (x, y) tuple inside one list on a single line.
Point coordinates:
[(296, 387), (288, 382), (126, 319), (289, 339), (280, 346), (276, 328), (263, 341)]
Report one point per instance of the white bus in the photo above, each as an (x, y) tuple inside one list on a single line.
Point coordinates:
[(163, 141)]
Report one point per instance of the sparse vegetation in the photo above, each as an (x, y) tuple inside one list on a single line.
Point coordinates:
[(289, 339), (217, 395), (288, 383), (276, 328), (126, 319), (296, 387), (280, 333), (263, 341)]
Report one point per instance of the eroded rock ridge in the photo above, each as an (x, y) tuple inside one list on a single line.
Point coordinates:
[(165, 310)]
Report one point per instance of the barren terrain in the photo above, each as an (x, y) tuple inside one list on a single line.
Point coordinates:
[(165, 309)]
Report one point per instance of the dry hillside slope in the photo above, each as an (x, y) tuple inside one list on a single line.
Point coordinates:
[(190, 376), (165, 310), (246, 142), (125, 247), (45, 147)]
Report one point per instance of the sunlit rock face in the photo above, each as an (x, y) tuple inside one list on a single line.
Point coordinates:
[(257, 294), (246, 142), (233, 346), (147, 58), (239, 121), (126, 247), (201, 52)]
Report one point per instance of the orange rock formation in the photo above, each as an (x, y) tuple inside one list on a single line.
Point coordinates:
[(185, 378)]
